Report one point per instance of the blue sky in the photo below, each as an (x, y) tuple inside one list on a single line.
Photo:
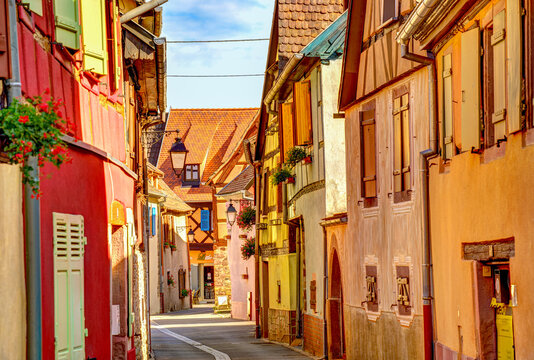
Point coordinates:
[(216, 19)]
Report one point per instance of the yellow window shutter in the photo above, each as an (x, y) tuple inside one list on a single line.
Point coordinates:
[(498, 43), (287, 127), (94, 35), (36, 6), (446, 77), (303, 116), (513, 43), (470, 78), (67, 23)]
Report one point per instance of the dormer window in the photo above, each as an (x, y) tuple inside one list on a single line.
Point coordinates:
[(191, 173)]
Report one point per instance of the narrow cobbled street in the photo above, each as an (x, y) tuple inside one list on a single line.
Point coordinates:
[(198, 333)]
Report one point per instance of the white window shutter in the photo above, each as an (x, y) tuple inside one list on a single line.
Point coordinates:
[(69, 248), (470, 77), (447, 106), (498, 42), (513, 44)]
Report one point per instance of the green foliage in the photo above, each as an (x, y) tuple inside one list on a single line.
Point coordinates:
[(170, 280), (248, 248), (33, 127), (184, 292), (295, 155), (246, 218), (280, 175)]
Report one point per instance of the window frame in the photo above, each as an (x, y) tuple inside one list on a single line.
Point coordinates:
[(390, 19), (191, 167)]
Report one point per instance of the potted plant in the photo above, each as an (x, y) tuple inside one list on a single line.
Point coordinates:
[(166, 244), (173, 247), (282, 174), (33, 128), (170, 281), (294, 155), (184, 293), (248, 248), (246, 218)]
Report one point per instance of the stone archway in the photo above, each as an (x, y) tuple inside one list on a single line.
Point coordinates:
[(336, 326)]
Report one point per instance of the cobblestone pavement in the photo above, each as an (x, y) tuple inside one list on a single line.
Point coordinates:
[(200, 334)]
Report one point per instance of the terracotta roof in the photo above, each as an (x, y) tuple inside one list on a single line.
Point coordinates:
[(210, 135), (172, 201), (243, 181), (300, 21)]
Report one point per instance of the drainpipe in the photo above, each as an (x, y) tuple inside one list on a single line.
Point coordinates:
[(325, 293), (32, 215), (292, 64), (140, 10), (257, 249)]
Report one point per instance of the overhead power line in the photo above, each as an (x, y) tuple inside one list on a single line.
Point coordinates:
[(212, 41), (214, 76)]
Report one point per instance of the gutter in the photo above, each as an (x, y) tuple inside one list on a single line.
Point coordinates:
[(418, 16), (161, 72), (140, 10), (291, 65), (32, 215)]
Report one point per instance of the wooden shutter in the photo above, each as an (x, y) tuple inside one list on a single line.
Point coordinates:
[(181, 282), (69, 247), (368, 145), (403, 290), (470, 85), (67, 23), (514, 77), (113, 42), (499, 75), (371, 282), (401, 148), (288, 135), (447, 107), (153, 222), (279, 199), (303, 115), (5, 55), (266, 184), (94, 35), (313, 295), (36, 6)]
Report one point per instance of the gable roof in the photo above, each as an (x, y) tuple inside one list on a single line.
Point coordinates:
[(210, 136), (241, 182)]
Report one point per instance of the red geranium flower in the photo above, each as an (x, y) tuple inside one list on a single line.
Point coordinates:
[(24, 119)]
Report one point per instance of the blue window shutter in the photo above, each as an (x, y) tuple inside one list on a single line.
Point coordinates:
[(153, 221), (205, 220)]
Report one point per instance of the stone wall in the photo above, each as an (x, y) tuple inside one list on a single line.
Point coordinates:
[(282, 325), (223, 285), (139, 305)]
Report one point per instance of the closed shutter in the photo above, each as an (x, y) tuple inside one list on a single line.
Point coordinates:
[(266, 192), (470, 77), (36, 6), (288, 135), (67, 23), (69, 247), (499, 75), (153, 220), (447, 107), (401, 149), (303, 116), (368, 145), (279, 198), (513, 29), (5, 56), (94, 35), (313, 295)]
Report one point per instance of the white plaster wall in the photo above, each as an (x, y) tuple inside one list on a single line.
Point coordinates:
[(334, 141), (154, 271), (12, 283)]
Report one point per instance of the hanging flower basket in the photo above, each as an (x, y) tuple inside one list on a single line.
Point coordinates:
[(248, 248), (33, 127), (280, 175), (184, 293), (170, 281), (173, 247), (294, 155), (246, 218)]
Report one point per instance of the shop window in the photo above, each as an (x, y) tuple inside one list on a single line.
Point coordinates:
[(401, 144), (368, 156), (371, 281), (403, 290)]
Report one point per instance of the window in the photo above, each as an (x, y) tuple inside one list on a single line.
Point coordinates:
[(69, 243), (401, 143), (389, 10), (67, 23), (371, 279), (191, 173), (303, 115), (113, 46), (368, 154), (403, 290), (94, 35)]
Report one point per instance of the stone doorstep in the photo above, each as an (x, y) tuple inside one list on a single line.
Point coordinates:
[(296, 349)]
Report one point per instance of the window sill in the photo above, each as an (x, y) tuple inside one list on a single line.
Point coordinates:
[(402, 196), (369, 202), (493, 153)]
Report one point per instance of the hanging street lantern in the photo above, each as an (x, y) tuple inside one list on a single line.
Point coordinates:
[(178, 153), (191, 236), (231, 214)]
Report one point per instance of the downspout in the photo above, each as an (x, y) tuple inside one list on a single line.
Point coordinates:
[(257, 250), (292, 64), (325, 293), (140, 10), (32, 215)]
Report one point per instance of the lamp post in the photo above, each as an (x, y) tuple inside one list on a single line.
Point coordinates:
[(231, 213)]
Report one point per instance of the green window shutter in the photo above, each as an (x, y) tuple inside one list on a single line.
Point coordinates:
[(498, 43), (513, 43), (470, 78), (446, 77), (67, 23), (94, 35), (36, 6), (69, 247)]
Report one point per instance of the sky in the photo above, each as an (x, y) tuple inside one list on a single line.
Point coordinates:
[(208, 20)]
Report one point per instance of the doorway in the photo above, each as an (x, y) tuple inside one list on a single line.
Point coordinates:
[(209, 289), (265, 299), (336, 323)]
